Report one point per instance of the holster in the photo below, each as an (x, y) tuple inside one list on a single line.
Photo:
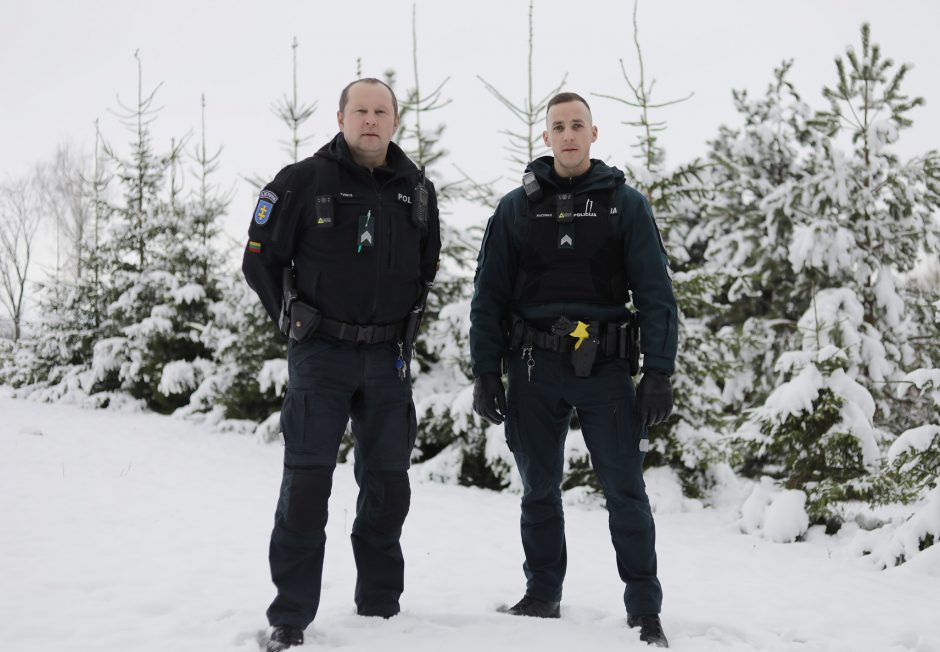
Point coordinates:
[(304, 320), (515, 331), (583, 357), (288, 297)]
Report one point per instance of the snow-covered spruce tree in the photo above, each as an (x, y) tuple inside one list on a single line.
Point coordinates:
[(189, 251), (860, 221), (155, 305), (245, 386), (740, 246), (453, 443), (688, 441)]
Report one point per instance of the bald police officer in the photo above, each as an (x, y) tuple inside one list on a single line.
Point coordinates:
[(342, 249), (561, 257)]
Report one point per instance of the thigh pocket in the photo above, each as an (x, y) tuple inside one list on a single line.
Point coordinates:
[(511, 426), (412, 426), (312, 428), (627, 423)]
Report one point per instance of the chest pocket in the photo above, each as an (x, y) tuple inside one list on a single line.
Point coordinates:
[(340, 233)]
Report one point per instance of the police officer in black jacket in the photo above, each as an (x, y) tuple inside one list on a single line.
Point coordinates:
[(561, 258), (342, 249)]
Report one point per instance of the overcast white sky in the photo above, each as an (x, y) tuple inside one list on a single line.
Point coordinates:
[(63, 63)]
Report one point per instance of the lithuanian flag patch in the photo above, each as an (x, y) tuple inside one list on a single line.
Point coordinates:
[(254, 247)]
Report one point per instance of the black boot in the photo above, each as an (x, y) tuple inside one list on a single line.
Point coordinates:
[(283, 637), (651, 630), (529, 606)]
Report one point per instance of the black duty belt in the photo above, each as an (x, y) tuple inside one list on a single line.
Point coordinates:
[(610, 342), (360, 333), (307, 321)]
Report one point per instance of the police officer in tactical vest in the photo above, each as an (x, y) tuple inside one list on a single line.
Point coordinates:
[(342, 249), (561, 258)]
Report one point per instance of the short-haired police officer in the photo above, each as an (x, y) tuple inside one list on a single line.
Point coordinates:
[(342, 249), (561, 257)]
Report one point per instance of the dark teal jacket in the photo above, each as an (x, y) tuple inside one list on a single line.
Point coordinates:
[(644, 259)]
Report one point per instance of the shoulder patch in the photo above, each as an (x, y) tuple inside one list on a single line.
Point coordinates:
[(263, 212)]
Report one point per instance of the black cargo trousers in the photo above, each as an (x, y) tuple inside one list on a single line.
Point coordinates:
[(539, 413), (329, 383)]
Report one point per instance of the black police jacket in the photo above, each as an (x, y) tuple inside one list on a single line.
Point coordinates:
[(358, 255), (528, 266)]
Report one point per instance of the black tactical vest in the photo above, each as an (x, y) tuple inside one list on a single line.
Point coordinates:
[(572, 252)]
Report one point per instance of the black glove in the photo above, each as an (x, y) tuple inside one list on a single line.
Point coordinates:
[(654, 397), (489, 398)]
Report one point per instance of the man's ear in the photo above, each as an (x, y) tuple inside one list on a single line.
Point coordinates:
[(594, 132), (339, 119), (545, 138)]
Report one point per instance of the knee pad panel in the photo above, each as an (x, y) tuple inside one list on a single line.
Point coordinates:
[(389, 499), (308, 495)]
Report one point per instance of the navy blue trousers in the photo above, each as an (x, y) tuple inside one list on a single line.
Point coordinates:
[(539, 413), (331, 382)]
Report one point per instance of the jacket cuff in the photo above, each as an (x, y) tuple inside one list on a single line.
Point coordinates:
[(659, 363)]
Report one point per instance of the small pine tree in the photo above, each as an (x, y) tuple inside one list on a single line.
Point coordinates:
[(858, 220)]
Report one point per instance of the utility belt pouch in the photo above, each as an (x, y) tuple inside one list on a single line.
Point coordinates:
[(623, 339), (629, 343), (516, 330), (583, 357), (304, 320), (410, 334)]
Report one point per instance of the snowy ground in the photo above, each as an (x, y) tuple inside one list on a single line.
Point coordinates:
[(131, 532)]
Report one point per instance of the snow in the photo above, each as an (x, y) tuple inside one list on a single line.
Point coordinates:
[(794, 396), (180, 376), (189, 293), (785, 518), (273, 375), (918, 439), (886, 295), (136, 532)]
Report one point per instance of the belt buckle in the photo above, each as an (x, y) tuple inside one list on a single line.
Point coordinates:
[(365, 334)]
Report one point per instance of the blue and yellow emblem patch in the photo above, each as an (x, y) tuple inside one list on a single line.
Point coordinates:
[(263, 212)]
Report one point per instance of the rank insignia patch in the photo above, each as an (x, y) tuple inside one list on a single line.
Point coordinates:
[(254, 247), (263, 212)]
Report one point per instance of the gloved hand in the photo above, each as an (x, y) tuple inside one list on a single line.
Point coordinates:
[(489, 398), (654, 397)]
